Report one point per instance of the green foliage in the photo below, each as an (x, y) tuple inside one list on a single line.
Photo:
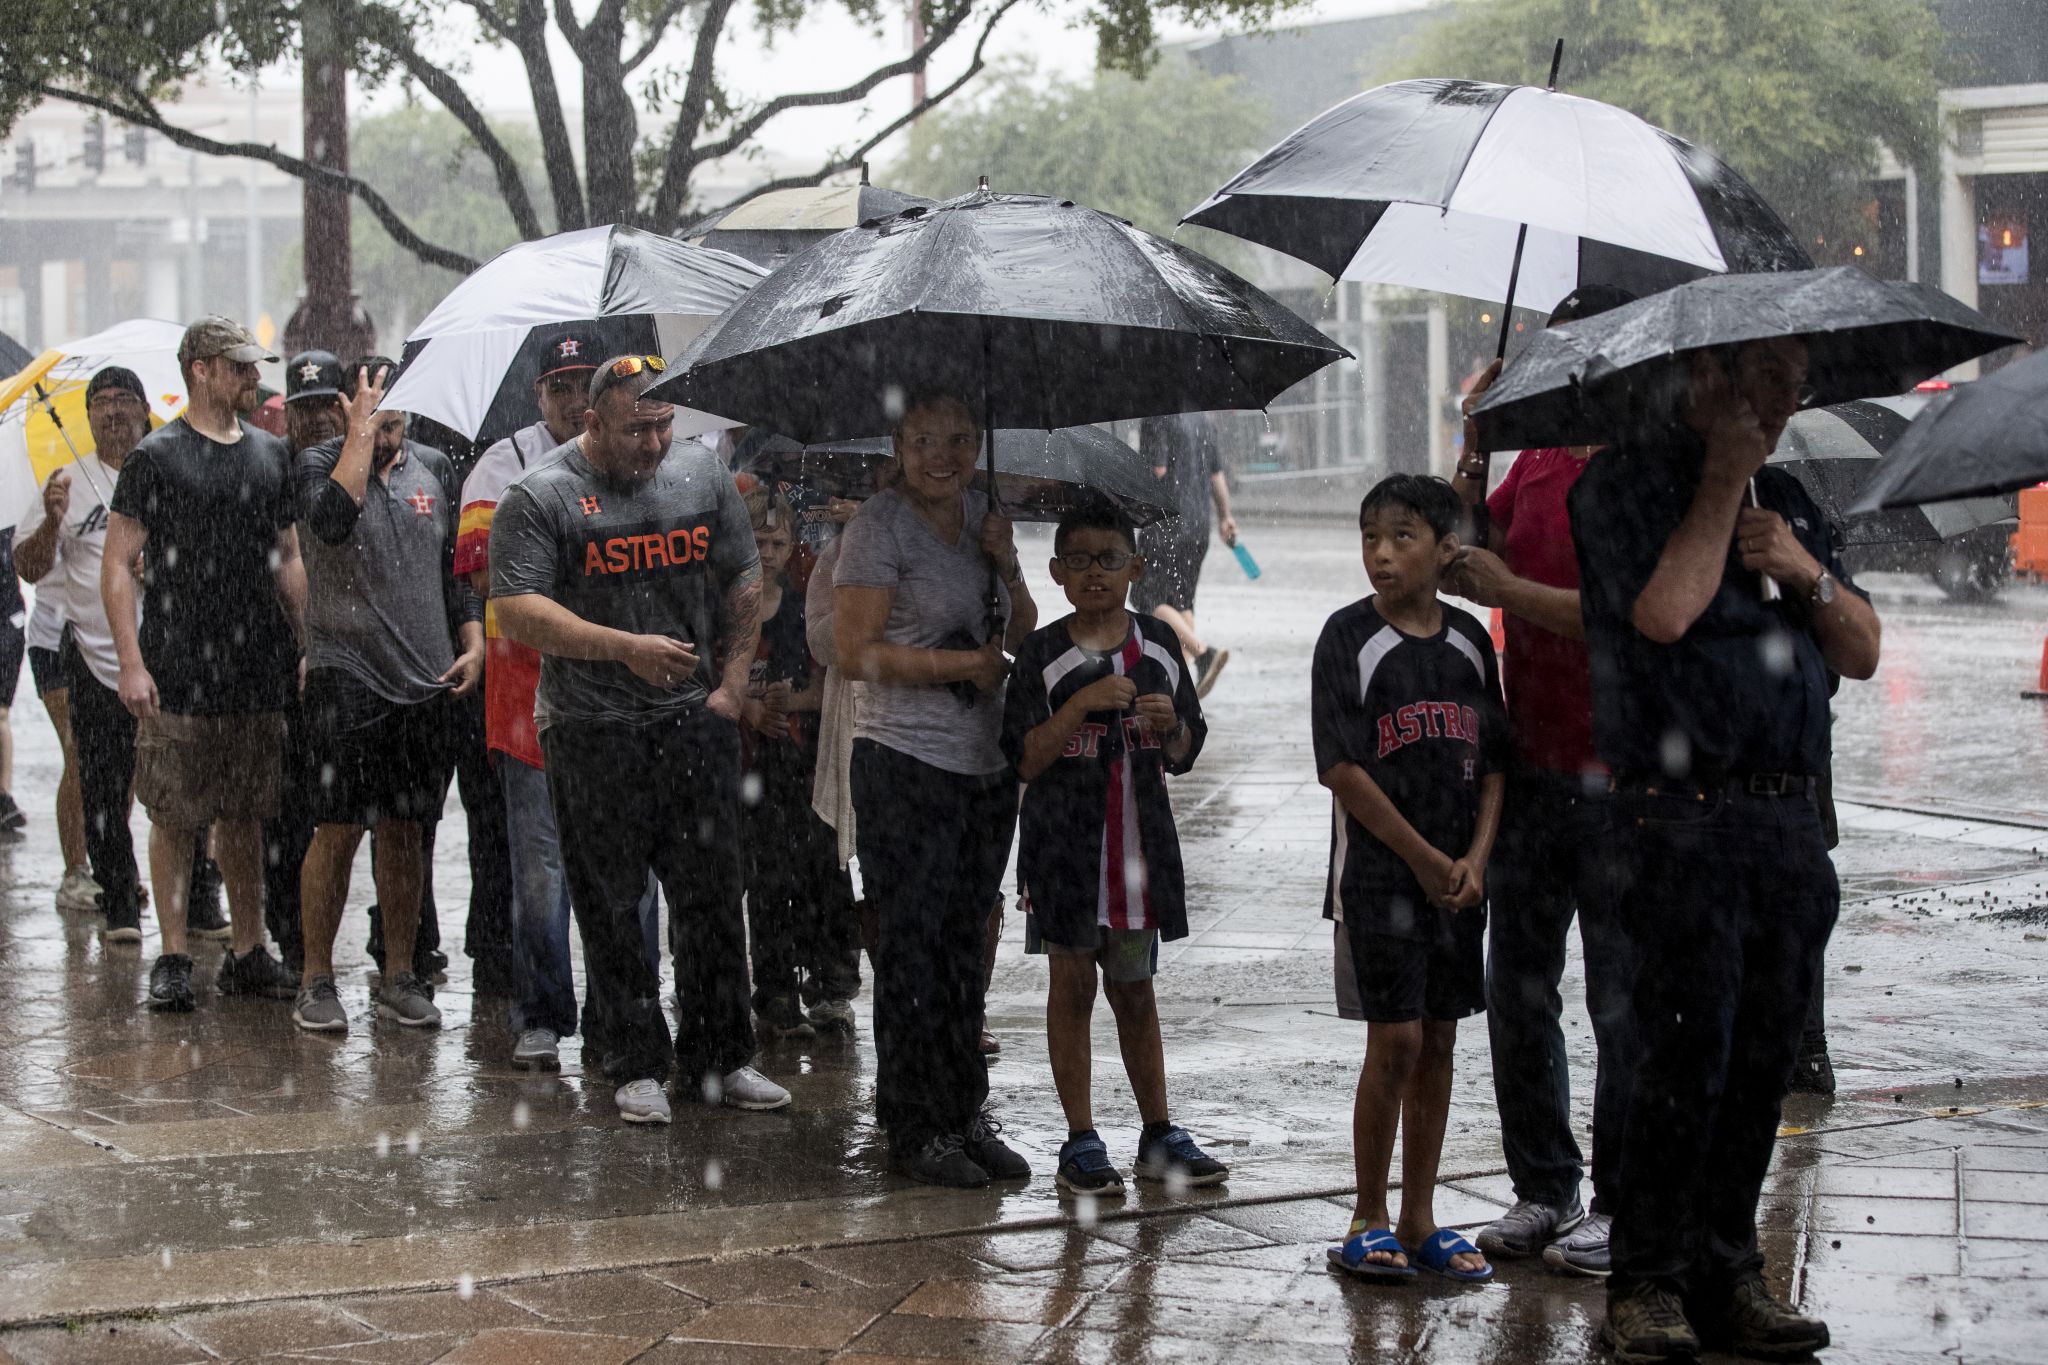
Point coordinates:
[(1796, 96), (432, 172), (1147, 149)]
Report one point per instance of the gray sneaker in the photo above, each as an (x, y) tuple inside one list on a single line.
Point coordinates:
[(538, 1049), (1528, 1227), (318, 1008), (1583, 1250), (833, 1016), (402, 997), (642, 1101), (747, 1088)]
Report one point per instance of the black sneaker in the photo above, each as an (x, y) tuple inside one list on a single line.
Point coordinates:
[(1755, 1323), (1814, 1072), (1173, 1155), (940, 1160), (1646, 1325), (255, 972), (987, 1150), (203, 917), (170, 983), (12, 819), (124, 920), (1085, 1168)]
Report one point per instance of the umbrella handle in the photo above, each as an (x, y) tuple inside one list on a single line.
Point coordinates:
[(1771, 592)]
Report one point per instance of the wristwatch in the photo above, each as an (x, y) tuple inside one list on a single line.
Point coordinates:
[(1823, 589)]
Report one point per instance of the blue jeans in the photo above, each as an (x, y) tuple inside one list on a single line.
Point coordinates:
[(540, 906), (1552, 861)]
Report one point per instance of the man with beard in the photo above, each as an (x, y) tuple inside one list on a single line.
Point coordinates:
[(630, 565), (208, 669), (392, 635)]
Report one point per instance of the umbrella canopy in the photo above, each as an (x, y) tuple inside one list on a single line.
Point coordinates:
[(1038, 312), (1426, 183), (1582, 383), (14, 357), (770, 228), (471, 362), (1988, 436), (1832, 452), (42, 406), (1044, 474)]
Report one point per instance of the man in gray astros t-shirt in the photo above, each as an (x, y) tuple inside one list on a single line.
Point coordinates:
[(629, 563)]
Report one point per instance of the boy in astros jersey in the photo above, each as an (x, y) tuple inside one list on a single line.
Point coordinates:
[(1100, 707)]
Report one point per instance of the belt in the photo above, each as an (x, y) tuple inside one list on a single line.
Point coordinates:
[(1735, 784)]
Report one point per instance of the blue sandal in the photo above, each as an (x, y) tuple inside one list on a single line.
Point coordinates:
[(1350, 1258), (1435, 1256)]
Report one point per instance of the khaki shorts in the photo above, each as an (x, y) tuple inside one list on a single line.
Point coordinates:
[(1125, 955), (193, 770)]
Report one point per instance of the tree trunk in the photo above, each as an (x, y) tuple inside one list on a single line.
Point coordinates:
[(610, 125), (328, 318)]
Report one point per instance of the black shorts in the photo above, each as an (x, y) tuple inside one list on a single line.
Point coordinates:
[(44, 670), (374, 759), (1385, 980), (12, 644), (1172, 569)]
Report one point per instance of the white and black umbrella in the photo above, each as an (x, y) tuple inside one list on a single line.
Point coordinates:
[(770, 228), (1833, 452), (1430, 184), (471, 363)]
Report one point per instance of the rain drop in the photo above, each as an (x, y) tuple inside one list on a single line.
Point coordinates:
[(714, 1089), (522, 1114), (1085, 1211), (751, 789), (1775, 649), (412, 1142), (1676, 753), (714, 1174), (1177, 1185), (465, 1286), (165, 1259), (383, 1144)]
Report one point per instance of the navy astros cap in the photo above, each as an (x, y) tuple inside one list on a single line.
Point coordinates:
[(312, 374), (570, 350)]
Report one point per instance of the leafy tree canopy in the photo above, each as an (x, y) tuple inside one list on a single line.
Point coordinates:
[(654, 109), (1148, 149), (1798, 96)]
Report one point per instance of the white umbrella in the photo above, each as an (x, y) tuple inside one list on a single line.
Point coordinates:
[(471, 362)]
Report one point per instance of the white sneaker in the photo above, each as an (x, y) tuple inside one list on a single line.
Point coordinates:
[(78, 891), (749, 1089), (538, 1049), (642, 1101)]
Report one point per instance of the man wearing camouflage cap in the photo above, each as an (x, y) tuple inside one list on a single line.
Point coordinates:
[(210, 500)]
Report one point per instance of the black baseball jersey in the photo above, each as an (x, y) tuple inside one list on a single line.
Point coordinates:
[(1096, 843), (1423, 717)]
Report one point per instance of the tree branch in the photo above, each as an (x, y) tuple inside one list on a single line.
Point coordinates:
[(446, 89), (657, 28), (565, 20), (557, 153), (676, 168), (859, 154), (488, 14), (142, 113), (744, 131)]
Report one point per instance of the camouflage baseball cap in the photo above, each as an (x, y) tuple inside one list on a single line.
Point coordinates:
[(215, 335)]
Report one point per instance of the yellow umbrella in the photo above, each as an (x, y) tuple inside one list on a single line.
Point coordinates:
[(42, 408)]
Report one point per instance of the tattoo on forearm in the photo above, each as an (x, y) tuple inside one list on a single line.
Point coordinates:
[(739, 623)]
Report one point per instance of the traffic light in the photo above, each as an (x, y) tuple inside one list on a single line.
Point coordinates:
[(135, 146), (95, 144), (25, 165)]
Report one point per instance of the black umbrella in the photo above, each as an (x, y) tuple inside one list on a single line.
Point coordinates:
[(1988, 436), (14, 357), (1038, 312), (1586, 382), (770, 228), (1832, 452), (1431, 183), (1044, 475)]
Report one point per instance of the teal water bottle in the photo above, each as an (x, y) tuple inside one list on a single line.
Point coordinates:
[(1245, 560)]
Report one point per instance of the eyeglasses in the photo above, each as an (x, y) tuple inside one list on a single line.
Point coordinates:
[(1077, 561), (114, 398), (626, 366)]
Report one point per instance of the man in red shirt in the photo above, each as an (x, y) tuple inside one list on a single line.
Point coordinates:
[(1548, 861)]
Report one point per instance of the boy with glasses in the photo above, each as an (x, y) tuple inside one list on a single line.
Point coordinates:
[(1101, 707)]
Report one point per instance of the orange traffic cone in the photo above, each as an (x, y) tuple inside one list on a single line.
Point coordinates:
[(2039, 691)]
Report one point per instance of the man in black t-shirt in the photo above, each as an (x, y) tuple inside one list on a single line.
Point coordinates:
[(209, 500), (1710, 708)]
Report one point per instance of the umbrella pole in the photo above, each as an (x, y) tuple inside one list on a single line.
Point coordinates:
[(995, 506), (1770, 590), (1507, 309), (50, 407)]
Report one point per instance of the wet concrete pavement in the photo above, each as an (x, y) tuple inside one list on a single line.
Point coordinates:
[(162, 1165)]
